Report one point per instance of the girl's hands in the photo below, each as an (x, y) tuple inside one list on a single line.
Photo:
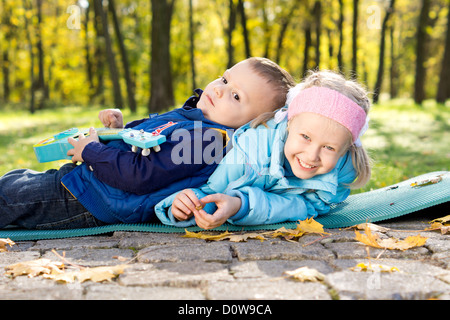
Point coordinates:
[(184, 205), (78, 145), (227, 206), (111, 118)]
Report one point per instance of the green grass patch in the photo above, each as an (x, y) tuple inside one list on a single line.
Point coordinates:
[(404, 139)]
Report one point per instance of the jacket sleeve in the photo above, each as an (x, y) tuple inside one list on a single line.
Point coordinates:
[(139, 174), (264, 207)]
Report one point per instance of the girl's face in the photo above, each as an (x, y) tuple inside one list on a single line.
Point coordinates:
[(315, 144)]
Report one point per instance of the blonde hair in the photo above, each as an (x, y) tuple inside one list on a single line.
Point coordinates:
[(354, 91)]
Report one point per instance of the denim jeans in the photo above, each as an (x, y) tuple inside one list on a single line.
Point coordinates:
[(38, 200)]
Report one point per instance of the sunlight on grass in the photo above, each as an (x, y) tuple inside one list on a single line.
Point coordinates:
[(404, 140)]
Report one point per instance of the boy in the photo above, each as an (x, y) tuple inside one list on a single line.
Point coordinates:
[(115, 185)]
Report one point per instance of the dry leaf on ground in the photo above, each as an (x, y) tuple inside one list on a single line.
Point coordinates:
[(373, 240), (4, 243), (97, 274), (442, 224), (372, 227), (306, 274), (233, 237), (363, 267), (34, 268)]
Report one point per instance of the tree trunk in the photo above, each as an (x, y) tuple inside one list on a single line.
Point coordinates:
[(161, 91), (380, 73), (30, 49), (419, 85), (99, 54), (89, 72), (241, 10), (124, 56), (355, 38), (444, 81), (341, 35), (229, 31), (114, 73), (40, 84), (191, 41), (317, 13)]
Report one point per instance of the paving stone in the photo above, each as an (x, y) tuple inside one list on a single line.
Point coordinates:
[(118, 292), (378, 285), (180, 274), (91, 257), (267, 290), (280, 250), (207, 252), (70, 243)]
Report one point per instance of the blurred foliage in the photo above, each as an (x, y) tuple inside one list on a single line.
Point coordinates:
[(64, 44)]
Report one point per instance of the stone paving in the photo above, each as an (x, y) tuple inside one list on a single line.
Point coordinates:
[(170, 267)]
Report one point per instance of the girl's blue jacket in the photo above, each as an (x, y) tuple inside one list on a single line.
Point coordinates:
[(255, 170), (117, 185)]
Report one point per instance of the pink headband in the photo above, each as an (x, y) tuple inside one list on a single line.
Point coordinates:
[(331, 104)]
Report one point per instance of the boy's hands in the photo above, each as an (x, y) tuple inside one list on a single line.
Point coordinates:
[(184, 205), (227, 206), (80, 144), (111, 118)]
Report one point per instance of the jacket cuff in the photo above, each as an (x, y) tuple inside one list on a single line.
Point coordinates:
[(91, 152), (245, 207)]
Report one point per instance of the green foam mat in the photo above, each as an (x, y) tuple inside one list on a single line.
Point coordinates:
[(386, 203)]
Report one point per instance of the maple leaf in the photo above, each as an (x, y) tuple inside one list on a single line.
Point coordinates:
[(373, 240), (372, 227), (306, 274), (233, 237), (34, 268), (311, 226), (97, 274), (363, 267), (439, 226), (442, 219), (4, 242), (206, 236)]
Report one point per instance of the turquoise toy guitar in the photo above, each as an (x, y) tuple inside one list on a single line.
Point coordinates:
[(56, 147)]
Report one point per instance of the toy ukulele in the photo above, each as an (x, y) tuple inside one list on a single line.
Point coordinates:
[(56, 147)]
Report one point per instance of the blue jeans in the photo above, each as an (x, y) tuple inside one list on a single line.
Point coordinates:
[(38, 200)]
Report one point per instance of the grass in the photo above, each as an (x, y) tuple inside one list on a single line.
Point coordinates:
[(404, 139)]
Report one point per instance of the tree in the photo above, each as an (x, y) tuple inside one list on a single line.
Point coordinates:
[(421, 36), (124, 56), (161, 90), (444, 80), (114, 73), (380, 73), (355, 38)]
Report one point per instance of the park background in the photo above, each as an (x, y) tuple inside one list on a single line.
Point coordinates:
[(62, 61)]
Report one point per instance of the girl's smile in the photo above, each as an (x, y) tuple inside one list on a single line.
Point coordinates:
[(315, 144)]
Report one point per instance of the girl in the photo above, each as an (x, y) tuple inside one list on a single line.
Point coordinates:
[(285, 169)]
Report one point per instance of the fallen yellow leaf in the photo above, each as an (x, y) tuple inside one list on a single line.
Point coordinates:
[(311, 226), (4, 242), (233, 237), (306, 274), (442, 219), (373, 240), (97, 274), (439, 226), (34, 268), (363, 267)]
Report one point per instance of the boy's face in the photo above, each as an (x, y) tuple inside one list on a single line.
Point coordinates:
[(237, 97), (314, 144)]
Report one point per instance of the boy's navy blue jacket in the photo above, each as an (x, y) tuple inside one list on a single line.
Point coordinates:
[(117, 185)]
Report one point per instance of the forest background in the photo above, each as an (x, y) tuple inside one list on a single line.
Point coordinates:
[(69, 59)]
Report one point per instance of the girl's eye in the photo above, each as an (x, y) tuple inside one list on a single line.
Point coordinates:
[(305, 137), (224, 80), (235, 96), (329, 148)]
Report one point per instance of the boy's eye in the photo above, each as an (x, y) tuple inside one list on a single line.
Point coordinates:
[(305, 137), (235, 96), (224, 80)]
